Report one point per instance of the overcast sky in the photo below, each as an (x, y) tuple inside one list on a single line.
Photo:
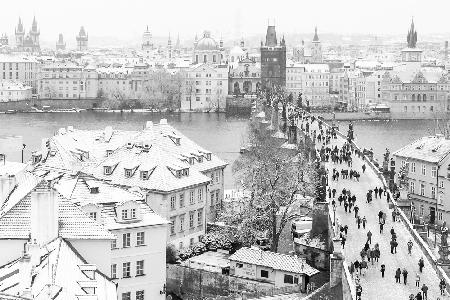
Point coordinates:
[(126, 18)]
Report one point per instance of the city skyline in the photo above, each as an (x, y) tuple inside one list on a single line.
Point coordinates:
[(124, 22)]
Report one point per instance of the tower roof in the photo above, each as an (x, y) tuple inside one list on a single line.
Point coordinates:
[(20, 26), (316, 37), (271, 36), (34, 25), (412, 36)]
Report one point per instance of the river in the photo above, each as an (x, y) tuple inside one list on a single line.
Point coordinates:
[(218, 133)]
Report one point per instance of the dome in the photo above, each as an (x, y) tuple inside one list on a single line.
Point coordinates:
[(206, 42)]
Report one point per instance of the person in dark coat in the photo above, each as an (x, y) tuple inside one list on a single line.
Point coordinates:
[(393, 215), (380, 192), (383, 269), (395, 246), (397, 275), (345, 206), (381, 227), (392, 246), (405, 275), (363, 168), (364, 221), (356, 264), (442, 286), (346, 229), (424, 291), (343, 239), (333, 191), (419, 296), (421, 264), (351, 269), (376, 192), (369, 237), (358, 221), (392, 231), (356, 209)]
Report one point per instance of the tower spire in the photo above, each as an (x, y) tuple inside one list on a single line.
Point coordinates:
[(316, 37)]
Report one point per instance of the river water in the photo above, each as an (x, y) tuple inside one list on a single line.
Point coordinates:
[(218, 133)]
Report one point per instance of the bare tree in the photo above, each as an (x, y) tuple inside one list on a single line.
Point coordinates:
[(274, 176)]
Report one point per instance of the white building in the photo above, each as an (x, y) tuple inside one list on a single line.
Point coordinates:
[(137, 264), (181, 181), (22, 69), (279, 269), (206, 88), (427, 165), (11, 91)]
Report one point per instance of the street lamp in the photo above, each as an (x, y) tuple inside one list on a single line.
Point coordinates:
[(23, 148), (334, 214)]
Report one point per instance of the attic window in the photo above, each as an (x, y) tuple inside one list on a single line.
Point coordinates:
[(179, 173), (144, 175), (94, 190), (185, 172), (200, 159), (191, 160), (146, 147), (93, 215), (109, 152), (208, 156), (128, 173), (107, 170)]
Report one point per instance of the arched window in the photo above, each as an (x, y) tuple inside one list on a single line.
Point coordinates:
[(418, 97), (196, 59), (413, 97), (204, 59), (424, 97), (236, 88), (214, 58)]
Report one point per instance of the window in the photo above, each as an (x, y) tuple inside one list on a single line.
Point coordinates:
[(133, 213), (140, 295), (200, 195), (126, 240), (181, 222), (181, 200), (113, 271), (140, 268), (421, 210), (441, 184), (413, 167), (422, 189), (144, 175), (217, 176), (125, 215), (107, 170), (264, 274), (191, 219), (172, 226), (433, 192), (440, 216), (200, 217), (411, 187), (212, 198), (126, 270), (126, 296), (93, 215), (433, 172), (217, 197), (191, 242), (191, 198), (172, 202), (113, 244), (239, 265), (128, 173), (140, 238), (440, 198), (424, 170), (288, 279), (295, 280)]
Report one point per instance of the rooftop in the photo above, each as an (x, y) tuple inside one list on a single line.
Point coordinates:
[(273, 260), (429, 148)]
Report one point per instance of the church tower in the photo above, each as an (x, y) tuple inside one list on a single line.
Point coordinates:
[(60, 44), (169, 48), (20, 34), (34, 34), (273, 60), (412, 54), (82, 40), (316, 49)]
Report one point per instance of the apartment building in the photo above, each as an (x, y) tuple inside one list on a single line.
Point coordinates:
[(23, 69), (14, 91)]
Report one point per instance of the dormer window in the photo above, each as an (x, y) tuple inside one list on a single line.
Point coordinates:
[(109, 152), (191, 160), (128, 173), (208, 156), (200, 159), (179, 173), (133, 213), (107, 170), (144, 175), (94, 190), (125, 214), (185, 172), (93, 215)]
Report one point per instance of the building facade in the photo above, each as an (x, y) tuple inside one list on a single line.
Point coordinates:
[(316, 49), (273, 60), (207, 50), (27, 42), (23, 69), (11, 91), (244, 77)]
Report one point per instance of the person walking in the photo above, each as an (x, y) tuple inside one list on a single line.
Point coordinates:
[(424, 291), (381, 227), (380, 192), (393, 215), (333, 191), (395, 246), (410, 245), (417, 280), (346, 229), (343, 239), (380, 216), (364, 221), (405, 275), (356, 264), (419, 296), (356, 209), (392, 246), (397, 275), (442, 286), (369, 236), (352, 269), (421, 264), (383, 269), (363, 168), (358, 221), (345, 205)]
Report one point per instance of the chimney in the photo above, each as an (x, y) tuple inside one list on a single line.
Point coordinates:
[(7, 184), (44, 214)]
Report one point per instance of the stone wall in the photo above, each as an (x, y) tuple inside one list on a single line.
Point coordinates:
[(26, 105)]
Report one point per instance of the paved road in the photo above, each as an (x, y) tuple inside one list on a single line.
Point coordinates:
[(374, 286)]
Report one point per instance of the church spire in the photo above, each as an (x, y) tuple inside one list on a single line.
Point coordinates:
[(316, 37), (412, 36)]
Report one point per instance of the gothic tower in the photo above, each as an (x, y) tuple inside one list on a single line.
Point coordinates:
[(82, 40), (169, 48), (316, 49), (20, 34), (34, 33), (60, 44), (273, 60)]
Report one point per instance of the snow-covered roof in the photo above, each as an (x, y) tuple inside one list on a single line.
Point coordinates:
[(273, 260), (429, 148)]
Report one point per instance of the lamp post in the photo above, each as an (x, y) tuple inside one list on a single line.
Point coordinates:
[(334, 214), (23, 148)]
